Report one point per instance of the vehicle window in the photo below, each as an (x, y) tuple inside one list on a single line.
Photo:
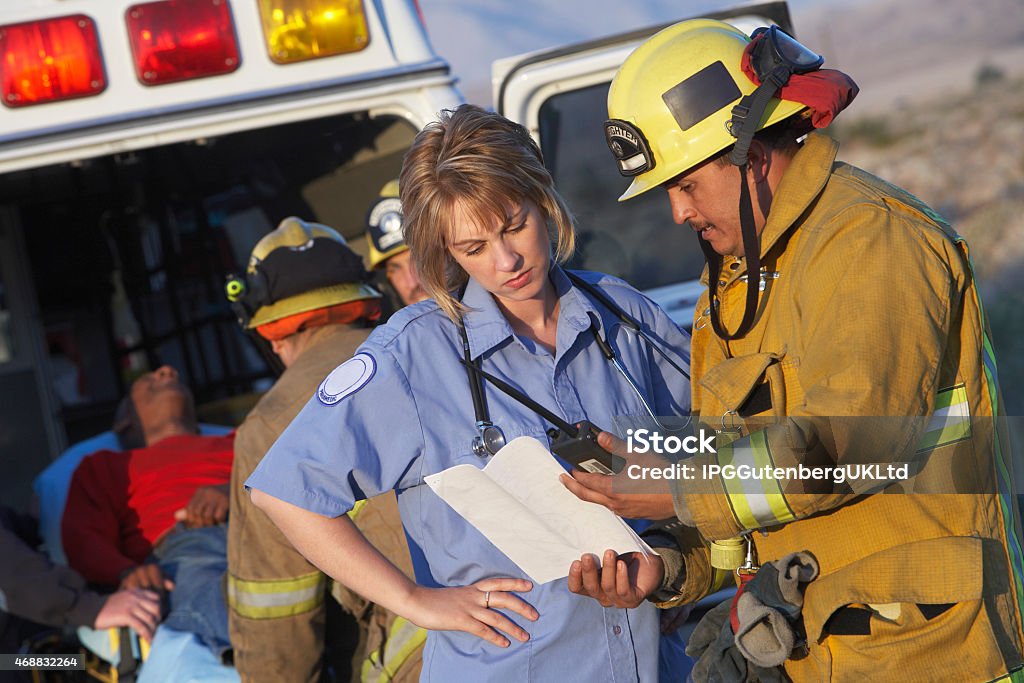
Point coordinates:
[(635, 240)]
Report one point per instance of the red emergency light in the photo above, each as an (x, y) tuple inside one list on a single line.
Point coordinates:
[(176, 40), (50, 59)]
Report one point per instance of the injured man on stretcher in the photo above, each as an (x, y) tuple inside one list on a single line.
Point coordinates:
[(155, 516)]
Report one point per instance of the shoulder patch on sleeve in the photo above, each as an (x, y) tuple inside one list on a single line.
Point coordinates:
[(347, 379)]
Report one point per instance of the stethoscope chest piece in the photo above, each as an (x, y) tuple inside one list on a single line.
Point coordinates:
[(489, 439)]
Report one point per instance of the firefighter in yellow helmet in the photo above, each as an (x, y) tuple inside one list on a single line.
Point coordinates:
[(387, 247), (841, 327), (304, 291)]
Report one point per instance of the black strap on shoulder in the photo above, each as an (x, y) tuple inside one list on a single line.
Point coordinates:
[(593, 291), (627, 320), (476, 388)]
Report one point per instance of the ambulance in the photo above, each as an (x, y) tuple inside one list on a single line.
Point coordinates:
[(146, 146)]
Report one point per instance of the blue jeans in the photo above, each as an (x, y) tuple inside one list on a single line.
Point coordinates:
[(196, 560)]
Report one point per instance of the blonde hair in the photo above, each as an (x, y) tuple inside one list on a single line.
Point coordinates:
[(486, 164)]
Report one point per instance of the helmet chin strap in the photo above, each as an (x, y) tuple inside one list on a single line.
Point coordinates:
[(746, 115), (776, 56), (752, 254)]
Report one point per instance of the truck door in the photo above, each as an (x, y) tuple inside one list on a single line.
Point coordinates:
[(560, 96), (28, 432)]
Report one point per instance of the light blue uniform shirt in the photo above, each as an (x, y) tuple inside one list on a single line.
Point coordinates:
[(401, 409)]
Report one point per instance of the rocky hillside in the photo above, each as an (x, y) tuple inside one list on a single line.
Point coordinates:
[(963, 153), (906, 51)]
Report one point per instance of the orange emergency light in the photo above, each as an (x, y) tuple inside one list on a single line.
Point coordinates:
[(297, 30), (50, 60), (177, 40)]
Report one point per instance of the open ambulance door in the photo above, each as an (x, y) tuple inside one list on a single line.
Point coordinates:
[(560, 95), (28, 431)]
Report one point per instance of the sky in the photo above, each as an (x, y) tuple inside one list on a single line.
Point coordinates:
[(471, 34)]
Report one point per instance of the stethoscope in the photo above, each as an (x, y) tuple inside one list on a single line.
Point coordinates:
[(490, 438)]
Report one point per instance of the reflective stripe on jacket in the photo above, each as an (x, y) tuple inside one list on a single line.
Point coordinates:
[(396, 657)]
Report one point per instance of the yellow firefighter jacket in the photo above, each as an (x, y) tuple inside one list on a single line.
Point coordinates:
[(870, 346)]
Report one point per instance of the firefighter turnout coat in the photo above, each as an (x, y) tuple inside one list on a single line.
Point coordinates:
[(870, 347)]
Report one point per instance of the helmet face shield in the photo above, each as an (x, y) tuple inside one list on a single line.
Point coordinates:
[(778, 48)]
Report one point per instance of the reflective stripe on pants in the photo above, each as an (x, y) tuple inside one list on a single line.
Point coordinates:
[(276, 598)]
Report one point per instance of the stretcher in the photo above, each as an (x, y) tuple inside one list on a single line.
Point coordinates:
[(173, 655)]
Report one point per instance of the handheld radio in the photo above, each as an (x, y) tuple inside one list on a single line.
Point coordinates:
[(576, 445)]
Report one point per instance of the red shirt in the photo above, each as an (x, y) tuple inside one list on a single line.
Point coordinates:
[(120, 503)]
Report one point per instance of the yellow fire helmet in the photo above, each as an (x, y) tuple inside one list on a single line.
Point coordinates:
[(298, 267), (671, 101), (384, 226)]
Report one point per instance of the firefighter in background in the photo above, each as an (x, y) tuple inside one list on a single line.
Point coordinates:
[(388, 250), (394, 645), (865, 305), (304, 292)]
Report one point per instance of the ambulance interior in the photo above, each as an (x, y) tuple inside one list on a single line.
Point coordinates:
[(122, 260)]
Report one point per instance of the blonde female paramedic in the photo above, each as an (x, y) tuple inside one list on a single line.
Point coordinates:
[(489, 234)]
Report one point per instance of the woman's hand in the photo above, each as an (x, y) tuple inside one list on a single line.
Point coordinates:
[(620, 581), (337, 547), (473, 609)]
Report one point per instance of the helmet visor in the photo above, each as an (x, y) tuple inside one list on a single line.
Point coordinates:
[(778, 48)]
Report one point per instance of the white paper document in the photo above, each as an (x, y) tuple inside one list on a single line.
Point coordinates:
[(519, 504)]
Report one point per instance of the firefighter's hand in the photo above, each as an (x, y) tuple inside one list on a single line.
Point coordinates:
[(621, 581), (146, 576), (132, 607), (474, 609), (208, 507), (634, 497)]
